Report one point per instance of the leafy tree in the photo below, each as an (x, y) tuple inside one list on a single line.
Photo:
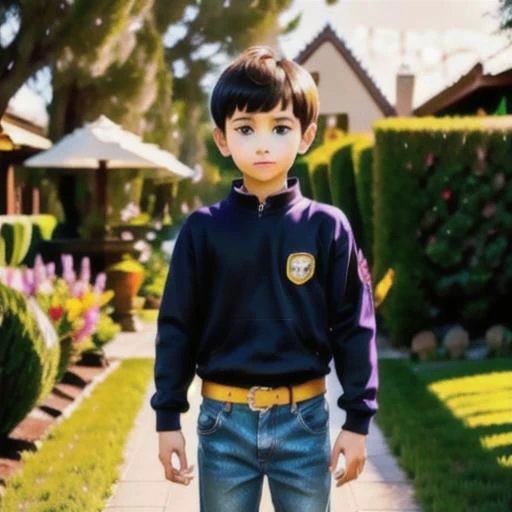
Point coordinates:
[(505, 11)]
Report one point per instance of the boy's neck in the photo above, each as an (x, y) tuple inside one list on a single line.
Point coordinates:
[(265, 189)]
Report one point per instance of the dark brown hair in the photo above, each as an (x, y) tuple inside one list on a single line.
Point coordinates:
[(259, 81)]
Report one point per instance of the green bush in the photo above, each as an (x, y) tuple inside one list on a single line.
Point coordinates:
[(301, 170), (343, 188), (16, 232), (29, 357), (320, 183), (443, 205), (362, 156), (21, 235)]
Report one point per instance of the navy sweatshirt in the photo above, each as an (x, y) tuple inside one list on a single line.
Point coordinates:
[(266, 294)]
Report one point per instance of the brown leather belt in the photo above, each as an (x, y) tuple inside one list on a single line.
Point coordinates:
[(261, 398)]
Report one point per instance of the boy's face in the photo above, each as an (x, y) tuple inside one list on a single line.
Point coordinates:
[(274, 137)]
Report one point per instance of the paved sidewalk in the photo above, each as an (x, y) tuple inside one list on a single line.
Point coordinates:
[(381, 487)]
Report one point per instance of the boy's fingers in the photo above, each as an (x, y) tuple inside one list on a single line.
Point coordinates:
[(334, 459), (176, 477), (183, 460), (348, 475)]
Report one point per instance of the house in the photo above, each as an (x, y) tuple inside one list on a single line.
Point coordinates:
[(346, 89), (385, 72)]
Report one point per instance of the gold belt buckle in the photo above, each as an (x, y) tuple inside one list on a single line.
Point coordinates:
[(251, 397)]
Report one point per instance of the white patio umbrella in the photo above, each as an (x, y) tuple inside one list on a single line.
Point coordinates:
[(103, 145)]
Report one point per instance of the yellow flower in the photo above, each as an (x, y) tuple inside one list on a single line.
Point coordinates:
[(55, 302), (73, 308), (106, 297), (88, 300)]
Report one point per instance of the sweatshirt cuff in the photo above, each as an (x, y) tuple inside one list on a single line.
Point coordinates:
[(167, 420), (357, 421)]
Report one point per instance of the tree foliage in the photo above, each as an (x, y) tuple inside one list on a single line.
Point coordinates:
[(505, 8)]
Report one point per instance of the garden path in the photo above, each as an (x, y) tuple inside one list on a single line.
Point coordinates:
[(382, 486)]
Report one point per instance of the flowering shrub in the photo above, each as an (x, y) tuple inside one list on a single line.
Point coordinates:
[(73, 304)]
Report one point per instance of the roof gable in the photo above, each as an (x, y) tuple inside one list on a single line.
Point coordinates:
[(327, 34)]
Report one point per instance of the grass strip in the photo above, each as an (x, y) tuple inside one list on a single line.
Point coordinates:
[(449, 465), (79, 461)]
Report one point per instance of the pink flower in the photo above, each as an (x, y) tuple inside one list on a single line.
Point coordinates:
[(101, 281), (85, 270), (68, 274), (27, 277), (429, 159), (91, 318), (50, 270), (446, 194), (78, 288)]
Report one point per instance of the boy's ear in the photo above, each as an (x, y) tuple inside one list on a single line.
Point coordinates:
[(308, 138), (220, 141)]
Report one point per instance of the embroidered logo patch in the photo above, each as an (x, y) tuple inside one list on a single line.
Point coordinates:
[(300, 267), (362, 269)]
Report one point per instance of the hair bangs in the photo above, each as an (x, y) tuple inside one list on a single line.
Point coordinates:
[(257, 82)]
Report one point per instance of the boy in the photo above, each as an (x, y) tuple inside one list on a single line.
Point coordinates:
[(265, 287)]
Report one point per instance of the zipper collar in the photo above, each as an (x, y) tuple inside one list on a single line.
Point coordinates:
[(273, 203)]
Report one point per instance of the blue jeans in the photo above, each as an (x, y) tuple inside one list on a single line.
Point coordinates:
[(238, 446)]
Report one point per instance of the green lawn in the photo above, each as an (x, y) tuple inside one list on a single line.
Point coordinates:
[(450, 424), (77, 464)]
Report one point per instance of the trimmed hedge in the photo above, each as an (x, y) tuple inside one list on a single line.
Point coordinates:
[(343, 187), (29, 357), (301, 170), (362, 156), (20, 236), (320, 183), (444, 210)]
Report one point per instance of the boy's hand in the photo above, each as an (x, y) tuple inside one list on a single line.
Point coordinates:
[(169, 442), (353, 446)]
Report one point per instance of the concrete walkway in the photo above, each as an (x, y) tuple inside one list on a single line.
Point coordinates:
[(382, 486)]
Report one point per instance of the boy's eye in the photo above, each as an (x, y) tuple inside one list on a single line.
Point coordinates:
[(279, 128), (286, 128), (242, 128)]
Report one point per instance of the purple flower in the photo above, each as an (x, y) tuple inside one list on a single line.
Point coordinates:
[(27, 277), (90, 320), (101, 281), (78, 288), (39, 272), (68, 273), (50, 270), (85, 270)]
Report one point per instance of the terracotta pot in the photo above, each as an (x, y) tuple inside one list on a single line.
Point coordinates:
[(125, 286)]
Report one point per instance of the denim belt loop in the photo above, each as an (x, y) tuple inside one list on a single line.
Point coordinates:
[(293, 408)]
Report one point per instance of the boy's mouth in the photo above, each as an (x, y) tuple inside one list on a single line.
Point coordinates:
[(267, 162)]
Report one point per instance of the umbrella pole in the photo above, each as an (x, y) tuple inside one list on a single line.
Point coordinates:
[(101, 190)]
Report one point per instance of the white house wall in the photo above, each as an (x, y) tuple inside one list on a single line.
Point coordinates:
[(341, 90)]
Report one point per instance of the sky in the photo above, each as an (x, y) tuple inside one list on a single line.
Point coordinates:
[(415, 15)]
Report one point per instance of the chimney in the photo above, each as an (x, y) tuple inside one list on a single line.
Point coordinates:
[(404, 91)]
